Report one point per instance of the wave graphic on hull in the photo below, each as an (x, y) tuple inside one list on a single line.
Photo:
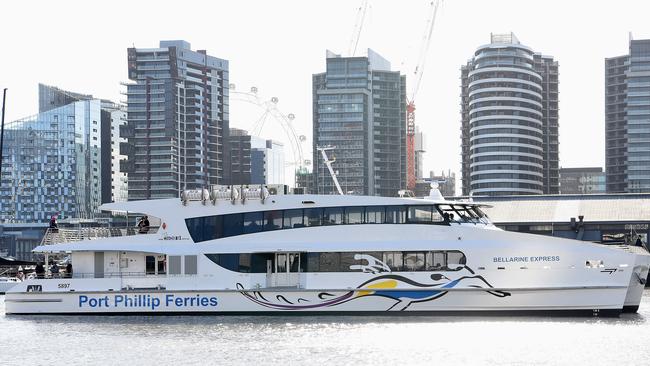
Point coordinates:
[(403, 290)]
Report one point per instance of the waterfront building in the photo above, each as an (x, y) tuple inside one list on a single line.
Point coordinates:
[(359, 108), (255, 160), (52, 164), (419, 152), (177, 120), (582, 180), (627, 119), (57, 162), (119, 182), (509, 120)]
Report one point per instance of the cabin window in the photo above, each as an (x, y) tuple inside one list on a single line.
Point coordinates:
[(253, 222), (329, 262), (347, 260), (313, 262), (375, 214), (455, 260), (272, 220), (293, 219), (395, 215), (190, 265), (150, 265), (393, 260), (414, 261), (313, 216), (333, 216), (354, 215), (233, 225), (174, 264), (419, 214)]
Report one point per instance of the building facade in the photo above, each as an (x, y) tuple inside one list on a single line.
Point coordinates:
[(509, 120), (627, 120), (359, 108), (582, 180), (58, 162), (52, 164), (177, 121), (255, 160)]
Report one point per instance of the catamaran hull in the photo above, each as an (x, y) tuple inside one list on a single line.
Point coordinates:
[(576, 301)]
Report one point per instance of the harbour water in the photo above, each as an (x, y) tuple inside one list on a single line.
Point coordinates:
[(385, 340)]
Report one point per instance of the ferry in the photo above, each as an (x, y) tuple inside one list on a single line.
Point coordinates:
[(238, 250)]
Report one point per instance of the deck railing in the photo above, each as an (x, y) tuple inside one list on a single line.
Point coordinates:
[(56, 236)]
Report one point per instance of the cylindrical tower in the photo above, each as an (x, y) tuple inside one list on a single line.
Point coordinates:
[(505, 119)]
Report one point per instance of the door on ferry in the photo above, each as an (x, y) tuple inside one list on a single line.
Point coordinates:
[(287, 269)]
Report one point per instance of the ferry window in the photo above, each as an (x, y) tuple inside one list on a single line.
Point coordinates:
[(395, 215), (419, 214), (294, 262), (195, 227), (375, 214), (229, 261), (393, 260), (436, 262), (347, 260), (245, 263), (233, 225), (174, 264), (333, 216), (281, 263), (329, 262), (293, 219), (272, 220), (162, 265), (455, 260), (252, 222), (190, 265), (414, 261), (313, 216), (212, 227), (312, 262), (258, 262), (354, 215), (150, 265)]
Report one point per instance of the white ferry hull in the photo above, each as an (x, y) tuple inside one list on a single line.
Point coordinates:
[(585, 301)]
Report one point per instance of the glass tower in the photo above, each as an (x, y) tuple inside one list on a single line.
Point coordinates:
[(627, 120), (359, 109)]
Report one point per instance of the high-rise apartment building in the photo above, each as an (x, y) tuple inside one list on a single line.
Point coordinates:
[(58, 162), (177, 112), (509, 120), (627, 119), (255, 160), (359, 108)]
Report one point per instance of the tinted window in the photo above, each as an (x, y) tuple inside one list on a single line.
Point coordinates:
[(393, 260), (375, 214), (414, 261), (313, 216), (395, 215), (419, 214), (347, 260), (233, 224), (293, 219), (329, 262), (354, 215), (333, 216), (455, 260), (252, 222), (272, 220)]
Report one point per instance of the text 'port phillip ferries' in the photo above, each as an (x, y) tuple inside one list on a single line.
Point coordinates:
[(243, 251)]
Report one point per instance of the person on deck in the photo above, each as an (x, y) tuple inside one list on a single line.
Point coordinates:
[(68, 270), (40, 270), (143, 225), (54, 227)]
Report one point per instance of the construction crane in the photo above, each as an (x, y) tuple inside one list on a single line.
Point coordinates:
[(358, 25), (410, 101)]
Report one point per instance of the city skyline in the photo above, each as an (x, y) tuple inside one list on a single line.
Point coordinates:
[(580, 52)]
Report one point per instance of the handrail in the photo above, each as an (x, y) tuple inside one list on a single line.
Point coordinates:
[(56, 235)]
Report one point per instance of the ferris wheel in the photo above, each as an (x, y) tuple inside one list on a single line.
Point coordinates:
[(266, 118)]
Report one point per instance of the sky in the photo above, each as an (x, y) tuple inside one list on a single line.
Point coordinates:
[(277, 45)]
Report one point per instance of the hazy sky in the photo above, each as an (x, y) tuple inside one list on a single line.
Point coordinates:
[(277, 46)]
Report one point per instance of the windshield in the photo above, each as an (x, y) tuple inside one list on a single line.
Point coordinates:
[(460, 213)]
